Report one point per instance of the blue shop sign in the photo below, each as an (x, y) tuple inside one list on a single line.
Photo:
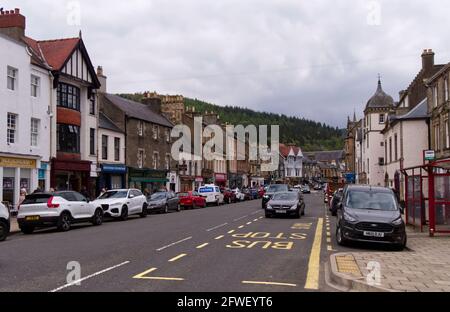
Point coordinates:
[(106, 168)]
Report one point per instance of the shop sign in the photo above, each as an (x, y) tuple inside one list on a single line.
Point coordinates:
[(11, 162), (430, 155)]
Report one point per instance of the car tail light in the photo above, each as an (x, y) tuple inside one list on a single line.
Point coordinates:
[(50, 203)]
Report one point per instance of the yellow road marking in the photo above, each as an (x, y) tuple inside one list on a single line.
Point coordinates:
[(312, 278), (240, 227), (163, 278), (255, 220), (328, 240), (231, 232), (269, 283), (248, 223), (142, 275), (202, 245), (328, 234), (177, 257), (219, 237)]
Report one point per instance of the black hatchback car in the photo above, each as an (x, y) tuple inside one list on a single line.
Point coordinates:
[(370, 214)]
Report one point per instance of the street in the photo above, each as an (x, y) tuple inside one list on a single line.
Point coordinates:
[(226, 248)]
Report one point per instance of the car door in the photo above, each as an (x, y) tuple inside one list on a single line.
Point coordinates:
[(140, 200), (135, 201), (72, 205), (84, 208), (174, 200)]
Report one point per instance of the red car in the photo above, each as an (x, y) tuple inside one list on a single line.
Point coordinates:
[(228, 196), (191, 199)]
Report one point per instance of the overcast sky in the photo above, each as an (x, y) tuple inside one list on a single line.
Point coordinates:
[(314, 59)]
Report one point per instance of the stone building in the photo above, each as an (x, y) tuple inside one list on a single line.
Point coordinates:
[(172, 106)]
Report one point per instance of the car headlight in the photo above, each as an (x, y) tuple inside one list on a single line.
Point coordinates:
[(294, 207), (269, 207), (349, 218), (398, 221), (266, 196), (116, 204)]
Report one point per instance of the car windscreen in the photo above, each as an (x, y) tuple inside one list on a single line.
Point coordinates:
[(36, 199), (206, 190), (277, 188), (114, 194), (286, 196), (371, 200), (158, 196), (183, 194)]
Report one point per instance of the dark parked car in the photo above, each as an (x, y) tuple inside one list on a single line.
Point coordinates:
[(271, 190), (163, 202), (335, 201), (286, 204), (370, 214), (228, 196), (247, 194)]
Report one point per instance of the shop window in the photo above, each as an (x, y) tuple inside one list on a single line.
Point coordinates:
[(68, 138)]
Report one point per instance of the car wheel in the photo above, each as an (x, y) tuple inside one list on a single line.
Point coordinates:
[(218, 203), (402, 245), (124, 213), (303, 212), (297, 215), (64, 222), (3, 230), (340, 237), (27, 229), (178, 208), (268, 215), (144, 211), (97, 219), (166, 209)]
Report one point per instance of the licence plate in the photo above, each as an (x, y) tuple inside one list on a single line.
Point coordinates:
[(32, 218), (373, 234), (280, 211)]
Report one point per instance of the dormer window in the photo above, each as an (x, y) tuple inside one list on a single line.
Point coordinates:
[(381, 119)]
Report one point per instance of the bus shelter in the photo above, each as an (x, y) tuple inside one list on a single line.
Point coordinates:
[(427, 196)]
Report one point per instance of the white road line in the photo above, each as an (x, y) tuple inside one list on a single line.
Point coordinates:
[(173, 244), (255, 212), (216, 227), (89, 276), (240, 218)]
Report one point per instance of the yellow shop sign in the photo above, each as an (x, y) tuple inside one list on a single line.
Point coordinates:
[(17, 162)]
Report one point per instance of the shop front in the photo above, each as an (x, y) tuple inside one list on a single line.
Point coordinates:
[(186, 183), (199, 181), (147, 180), (220, 179), (172, 183), (17, 173), (71, 175), (233, 180), (112, 176), (208, 176)]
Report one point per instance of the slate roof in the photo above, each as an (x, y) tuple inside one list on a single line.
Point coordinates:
[(418, 112), (380, 99), (138, 110), (105, 123)]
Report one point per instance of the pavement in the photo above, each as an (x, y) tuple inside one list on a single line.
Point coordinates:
[(226, 248), (424, 266)]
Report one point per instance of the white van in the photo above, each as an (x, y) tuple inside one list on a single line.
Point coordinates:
[(212, 194)]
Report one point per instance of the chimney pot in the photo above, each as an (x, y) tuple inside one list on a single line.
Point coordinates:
[(17, 11)]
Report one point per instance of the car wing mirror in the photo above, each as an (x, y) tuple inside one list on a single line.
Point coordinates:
[(131, 196)]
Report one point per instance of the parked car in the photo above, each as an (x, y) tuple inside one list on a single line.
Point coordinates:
[(254, 193), (122, 203), (261, 192), (247, 194), (370, 214), (317, 187), (191, 199), (271, 190), (239, 195), (164, 202), (286, 203), (60, 209), (335, 201), (212, 194), (228, 196), (4, 222), (306, 189)]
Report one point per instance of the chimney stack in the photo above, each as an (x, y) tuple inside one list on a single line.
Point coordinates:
[(427, 60), (153, 101), (12, 24), (102, 78)]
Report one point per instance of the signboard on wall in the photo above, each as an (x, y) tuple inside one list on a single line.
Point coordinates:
[(429, 155)]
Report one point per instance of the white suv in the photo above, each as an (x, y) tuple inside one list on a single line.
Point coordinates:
[(4, 222), (212, 194), (58, 208), (122, 203)]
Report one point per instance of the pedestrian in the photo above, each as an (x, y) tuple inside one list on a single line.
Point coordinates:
[(146, 192), (51, 190), (23, 193), (37, 190), (103, 191)]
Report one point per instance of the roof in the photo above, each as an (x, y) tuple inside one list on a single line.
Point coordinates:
[(418, 112), (442, 70), (286, 149), (138, 110), (105, 123), (369, 188), (327, 156), (380, 99)]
